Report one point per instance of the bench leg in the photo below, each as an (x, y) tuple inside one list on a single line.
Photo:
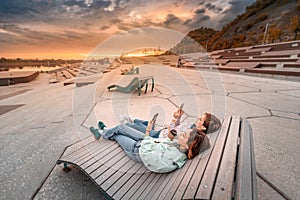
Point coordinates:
[(139, 88), (152, 85), (66, 168), (146, 87)]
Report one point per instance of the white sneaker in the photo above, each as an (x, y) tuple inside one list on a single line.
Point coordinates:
[(127, 118), (122, 119)]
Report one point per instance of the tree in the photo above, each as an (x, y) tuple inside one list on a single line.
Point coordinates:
[(275, 32), (294, 25)]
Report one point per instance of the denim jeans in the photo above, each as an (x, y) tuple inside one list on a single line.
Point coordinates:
[(193, 126), (141, 126), (127, 137), (129, 146)]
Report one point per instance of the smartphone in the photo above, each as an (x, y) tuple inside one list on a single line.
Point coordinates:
[(154, 117), (181, 106)]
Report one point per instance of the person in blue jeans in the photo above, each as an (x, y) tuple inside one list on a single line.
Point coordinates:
[(160, 155), (141, 125), (137, 124), (207, 122)]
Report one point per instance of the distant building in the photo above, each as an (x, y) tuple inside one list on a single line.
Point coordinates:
[(8, 78)]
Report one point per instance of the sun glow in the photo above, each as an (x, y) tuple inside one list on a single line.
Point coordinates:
[(143, 52)]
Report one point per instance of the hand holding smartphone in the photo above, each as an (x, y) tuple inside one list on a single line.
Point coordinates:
[(155, 117), (181, 106)]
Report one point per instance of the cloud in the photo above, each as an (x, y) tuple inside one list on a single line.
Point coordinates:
[(236, 7), (58, 23), (115, 21), (198, 21), (171, 20), (71, 13), (104, 27), (10, 27), (200, 11), (19, 7), (213, 7)]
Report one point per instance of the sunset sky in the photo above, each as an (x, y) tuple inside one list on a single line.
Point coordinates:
[(73, 28)]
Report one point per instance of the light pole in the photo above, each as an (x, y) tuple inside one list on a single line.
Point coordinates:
[(266, 31)]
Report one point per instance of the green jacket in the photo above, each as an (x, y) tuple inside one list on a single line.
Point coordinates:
[(161, 155)]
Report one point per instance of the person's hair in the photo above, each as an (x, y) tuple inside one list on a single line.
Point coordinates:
[(211, 123), (198, 140)]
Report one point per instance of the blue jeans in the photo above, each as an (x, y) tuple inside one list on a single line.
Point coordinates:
[(127, 137), (141, 126), (193, 126)]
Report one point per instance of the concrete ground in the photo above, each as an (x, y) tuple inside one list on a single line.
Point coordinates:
[(51, 117)]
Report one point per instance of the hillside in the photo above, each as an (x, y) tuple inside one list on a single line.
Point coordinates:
[(191, 42), (265, 21)]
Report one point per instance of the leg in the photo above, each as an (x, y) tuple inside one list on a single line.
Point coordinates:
[(130, 147), (193, 126), (139, 121), (122, 129), (142, 128)]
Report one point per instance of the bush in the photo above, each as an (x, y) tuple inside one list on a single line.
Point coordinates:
[(250, 25), (261, 17)]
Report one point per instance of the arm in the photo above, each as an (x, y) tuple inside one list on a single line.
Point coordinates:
[(177, 117), (149, 127)]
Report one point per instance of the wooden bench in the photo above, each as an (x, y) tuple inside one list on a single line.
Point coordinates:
[(225, 171)]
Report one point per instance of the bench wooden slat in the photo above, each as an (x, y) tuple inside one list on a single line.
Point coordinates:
[(244, 167), (88, 152), (99, 156), (81, 151), (170, 189), (196, 170), (224, 183), (163, 179), (105, 166), (150, 187), (121, 181), (78, 146), (206, 186), (185, 181), (112, 170), (131, 182), (91, 154), (162, 183), (135, 191), (246, 171), (104, 158), (254, 183), (117, 175)]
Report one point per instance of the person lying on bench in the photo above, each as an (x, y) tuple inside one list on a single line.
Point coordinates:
[(139, 125), (160, 155), (207, 122)]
